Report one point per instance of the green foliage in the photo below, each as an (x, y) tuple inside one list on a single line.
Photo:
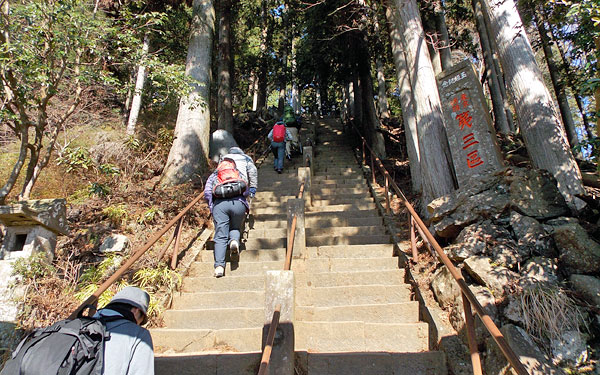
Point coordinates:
[(156, 278), (116, 214), (109, 169), (33, 267), (92, 277), (590, 147), (150, 215), (98, 189), (75, 158)]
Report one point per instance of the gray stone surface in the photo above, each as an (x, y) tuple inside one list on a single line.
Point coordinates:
[(471, 136), (37, 239), (444, 287), (50, 213), (569, 348), (114, 243), (295, 207), (539, 270), (531, 236), (457, 314), (533, 193), (579, 253), (486, 238), (487, 273), (220, 143), (279, 290), (588, 287), (535, 362)]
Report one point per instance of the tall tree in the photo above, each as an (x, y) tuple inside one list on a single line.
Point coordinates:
[(538, 119), (436, 164), (136, 101), (539, 17), (224, 102), (188, 156), (492, 76), (406, 101)]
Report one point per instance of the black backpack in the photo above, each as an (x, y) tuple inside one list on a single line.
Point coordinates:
[(73, 347)]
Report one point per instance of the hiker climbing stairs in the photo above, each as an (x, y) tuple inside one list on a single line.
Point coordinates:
[(354, 312)]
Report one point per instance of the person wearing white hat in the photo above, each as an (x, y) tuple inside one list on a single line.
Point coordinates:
[(129, 350)]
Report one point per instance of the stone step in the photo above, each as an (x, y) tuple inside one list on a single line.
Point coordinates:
[(334, 237), (266, 191), (243, 268), (322, 215), (350, 278), (210, 363), (219, 300), (404, 312), (374, 363), (345, 264), (352, 295), (336, 337), (198, 340), (229, 318), (270, 198), (356, 206), (353, 251), (312, 221), (315, 232), (247, 255), (230, 283), (332, 200)]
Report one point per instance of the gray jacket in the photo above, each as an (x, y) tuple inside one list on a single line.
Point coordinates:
[(245, 165), (129, 351)]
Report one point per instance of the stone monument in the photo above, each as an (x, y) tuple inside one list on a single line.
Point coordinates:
[(471, 136)]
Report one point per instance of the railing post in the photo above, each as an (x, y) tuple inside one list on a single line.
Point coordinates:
[(373, 170), (470, 326), (307, 156), (413, 238), (279, 290), (387, 195), (295, 207), (176, 248), (304, 175)]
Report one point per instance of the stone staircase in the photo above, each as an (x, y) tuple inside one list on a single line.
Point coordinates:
[(354, 312)]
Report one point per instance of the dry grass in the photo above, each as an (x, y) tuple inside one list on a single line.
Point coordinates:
[(547, 312)]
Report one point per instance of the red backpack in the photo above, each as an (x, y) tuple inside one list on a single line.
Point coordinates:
[(229, 183), (279, 132)]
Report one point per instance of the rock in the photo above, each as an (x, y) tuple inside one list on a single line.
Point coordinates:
[(485, 205), (539, 270), (570, 348), (579, 253), (532, 358), (220, 143), (513, 310), (460, 251), (457, 313), (486, 238), (532, 238), (484, 270), (444, 287), (115, 243), (533, 192), (588, 287)]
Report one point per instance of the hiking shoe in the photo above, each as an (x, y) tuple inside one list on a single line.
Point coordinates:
[(234, 247), (279, 171), (219, 271)]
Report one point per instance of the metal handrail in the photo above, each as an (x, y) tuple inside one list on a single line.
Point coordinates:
[(266, 357), (469, 299), (92, 300)]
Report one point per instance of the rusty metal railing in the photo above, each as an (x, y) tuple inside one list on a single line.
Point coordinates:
[(266, 356), (469, 300), (92, 301)]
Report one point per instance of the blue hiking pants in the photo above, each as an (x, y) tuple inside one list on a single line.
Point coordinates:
[(278, 149), (228, 216)]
